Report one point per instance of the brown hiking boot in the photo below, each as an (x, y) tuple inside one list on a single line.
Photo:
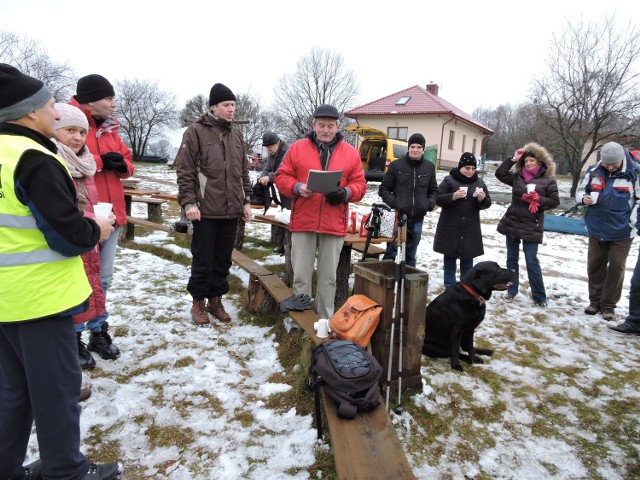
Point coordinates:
[(215, 308), (199, 313)]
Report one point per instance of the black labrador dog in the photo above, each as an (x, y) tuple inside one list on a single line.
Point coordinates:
[(453, 316)]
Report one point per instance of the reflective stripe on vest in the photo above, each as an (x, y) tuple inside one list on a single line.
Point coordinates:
[(35, 281)]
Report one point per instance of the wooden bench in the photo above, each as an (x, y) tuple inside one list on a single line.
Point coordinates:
[(156, 226), (154, 207), (366, 447), (373, 251)]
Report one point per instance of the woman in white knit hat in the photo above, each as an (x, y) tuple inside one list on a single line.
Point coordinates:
[(70, 138)]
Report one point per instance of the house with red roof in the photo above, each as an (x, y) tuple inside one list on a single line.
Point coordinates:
[(421, 110)]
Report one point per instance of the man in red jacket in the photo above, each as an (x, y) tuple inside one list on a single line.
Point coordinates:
[(319, 222), (95, 96)]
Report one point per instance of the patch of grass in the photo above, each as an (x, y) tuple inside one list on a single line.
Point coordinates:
[(183, 362), (169, 436)]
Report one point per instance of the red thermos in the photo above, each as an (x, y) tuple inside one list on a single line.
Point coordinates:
[(354, 227)]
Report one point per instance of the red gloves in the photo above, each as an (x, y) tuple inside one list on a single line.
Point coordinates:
[(533, 199)]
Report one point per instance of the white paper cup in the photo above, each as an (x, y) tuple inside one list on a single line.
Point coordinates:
[(323, 328), (594, 197), (464, 189), (102, 210), (531, 187)]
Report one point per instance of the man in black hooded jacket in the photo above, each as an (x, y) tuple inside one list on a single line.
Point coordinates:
[(410, 187)]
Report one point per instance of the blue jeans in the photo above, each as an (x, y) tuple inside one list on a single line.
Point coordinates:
[(107, 258), (466, 264), (534, 272), (415, 230), (634, 298)]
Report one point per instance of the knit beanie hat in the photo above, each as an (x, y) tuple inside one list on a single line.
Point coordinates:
[(417, 138), (467, 159), (20, 94), (220, 93), (70, 116), (612, 152), (92, 88), (269, 138)]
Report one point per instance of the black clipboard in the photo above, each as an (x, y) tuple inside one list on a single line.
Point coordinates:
[(321, 181)]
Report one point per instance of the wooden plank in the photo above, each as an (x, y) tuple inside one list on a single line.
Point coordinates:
[(166, 196), (373, 249), (248, 264), (148, 200), (147, 223), (366, 447)]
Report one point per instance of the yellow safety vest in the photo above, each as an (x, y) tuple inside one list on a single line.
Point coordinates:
[(35, 281)]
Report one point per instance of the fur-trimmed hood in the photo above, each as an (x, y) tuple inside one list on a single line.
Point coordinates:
[(542, 154)]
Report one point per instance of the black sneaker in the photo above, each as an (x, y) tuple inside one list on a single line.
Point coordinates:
[(103, 471), (87, 362), (101, 344), (33, 471)]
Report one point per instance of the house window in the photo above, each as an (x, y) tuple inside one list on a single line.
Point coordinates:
[(452, 139), (397, 133), (464, 142), (475, 144), (403, 100)]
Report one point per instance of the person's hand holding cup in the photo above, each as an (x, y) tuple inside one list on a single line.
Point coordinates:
[(460, 193), (593, 197), (106, 225)]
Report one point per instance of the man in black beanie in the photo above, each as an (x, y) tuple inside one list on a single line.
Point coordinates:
[(95, 96), (214, 191), (413, 197), (42, 235)]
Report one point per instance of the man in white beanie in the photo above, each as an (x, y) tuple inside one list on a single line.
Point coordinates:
[(42, 235), (610, 188)]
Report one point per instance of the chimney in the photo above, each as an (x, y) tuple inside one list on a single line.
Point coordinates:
[(432, 88)]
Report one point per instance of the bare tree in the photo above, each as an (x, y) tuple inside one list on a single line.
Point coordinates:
[(320, 78), (193, 110), (145, 112), (29, 57), (592, 91)]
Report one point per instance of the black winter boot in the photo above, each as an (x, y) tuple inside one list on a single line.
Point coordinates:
[(103, 471), (101, 344), (87, 362)]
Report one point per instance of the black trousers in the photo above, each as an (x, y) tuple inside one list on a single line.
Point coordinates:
[(40, 380), (211, 248)]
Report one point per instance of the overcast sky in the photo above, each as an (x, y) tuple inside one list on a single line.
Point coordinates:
[(480, 53)]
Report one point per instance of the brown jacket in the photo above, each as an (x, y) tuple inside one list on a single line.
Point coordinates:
[(213, 172)]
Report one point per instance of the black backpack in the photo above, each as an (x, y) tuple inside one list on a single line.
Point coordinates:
[(348, 374)]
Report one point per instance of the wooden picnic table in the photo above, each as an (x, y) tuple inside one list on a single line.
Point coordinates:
[(128, 194), (344, 264)]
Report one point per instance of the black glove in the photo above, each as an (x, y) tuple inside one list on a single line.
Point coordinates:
[(337, 197), (113, 161), (298, 303)]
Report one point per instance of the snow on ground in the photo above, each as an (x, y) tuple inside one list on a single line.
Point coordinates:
[(211, 386)]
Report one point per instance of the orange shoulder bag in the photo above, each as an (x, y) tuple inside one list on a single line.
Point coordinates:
[(356, 320)]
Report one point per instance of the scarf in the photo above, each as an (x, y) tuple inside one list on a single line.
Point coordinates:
[(455, 173), (79, 166), (530, 173)]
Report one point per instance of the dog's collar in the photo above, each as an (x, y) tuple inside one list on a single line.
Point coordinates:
[(481, 300)]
